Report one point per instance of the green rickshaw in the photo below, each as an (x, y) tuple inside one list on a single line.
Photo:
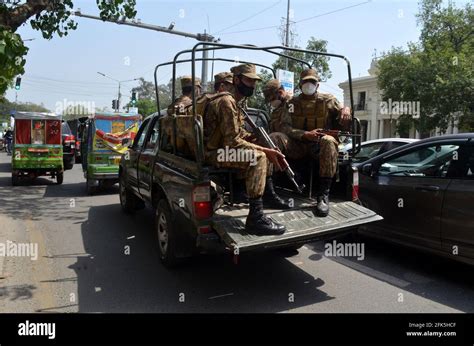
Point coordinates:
[(37, 146), (104, 139)]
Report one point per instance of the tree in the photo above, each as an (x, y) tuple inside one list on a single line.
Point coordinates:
[(6, 107), (145, 106), (318, 62), (49, 17), (437, 71), (146, 90)]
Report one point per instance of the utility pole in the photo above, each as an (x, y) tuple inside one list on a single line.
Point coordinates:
[(169, 30), (117, 107), (287, 31)]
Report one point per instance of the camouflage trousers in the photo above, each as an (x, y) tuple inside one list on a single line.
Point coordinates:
[(326, 151), (254, 170)]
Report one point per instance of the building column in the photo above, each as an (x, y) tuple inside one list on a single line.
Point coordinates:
[(369, 130), (381, 128)]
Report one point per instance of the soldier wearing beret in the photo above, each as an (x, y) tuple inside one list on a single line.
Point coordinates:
[(229, 133), (297, 133), (179, 106)]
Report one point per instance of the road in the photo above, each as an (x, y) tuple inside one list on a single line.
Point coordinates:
[(94, 258)]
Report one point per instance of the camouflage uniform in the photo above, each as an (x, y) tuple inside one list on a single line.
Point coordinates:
[(306, 113), (182, 103), (224, 128)]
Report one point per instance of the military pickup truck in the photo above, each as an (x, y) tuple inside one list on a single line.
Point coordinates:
[(194, 205)]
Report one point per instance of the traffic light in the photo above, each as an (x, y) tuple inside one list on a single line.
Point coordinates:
[(134, 98), (18, 83), (114, 104)]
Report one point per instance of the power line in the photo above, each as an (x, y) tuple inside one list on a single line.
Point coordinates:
[(68, 81), (248, 18), (298, 21)]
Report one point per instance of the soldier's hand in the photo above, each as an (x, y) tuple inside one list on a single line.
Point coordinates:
[(311, 136), (346, 117), (275, 157)]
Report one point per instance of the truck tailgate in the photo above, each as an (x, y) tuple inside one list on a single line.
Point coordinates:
[(301, 223)]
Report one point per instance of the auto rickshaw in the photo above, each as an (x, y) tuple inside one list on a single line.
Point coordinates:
[(104, 139), (37, 148)]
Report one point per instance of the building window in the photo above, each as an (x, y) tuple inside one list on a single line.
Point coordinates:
[(361, 101)]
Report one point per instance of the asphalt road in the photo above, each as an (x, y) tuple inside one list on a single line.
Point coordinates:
[(83, 266)]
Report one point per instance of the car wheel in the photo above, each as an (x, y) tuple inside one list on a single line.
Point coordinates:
[(59, 178), (14, 179), (165, 235), (68, 165), (128, 200), (90, 188)]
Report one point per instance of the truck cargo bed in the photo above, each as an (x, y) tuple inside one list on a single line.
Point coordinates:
[(301, 223)]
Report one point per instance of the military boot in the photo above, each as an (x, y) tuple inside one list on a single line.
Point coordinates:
[(239, 191), (322, 197), (257, 223), (271, 199)]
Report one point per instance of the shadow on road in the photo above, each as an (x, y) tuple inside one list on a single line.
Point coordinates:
[(111, 281), (429, 276)]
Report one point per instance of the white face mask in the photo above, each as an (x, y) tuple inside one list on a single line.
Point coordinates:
[(275, 103), (308, 88)]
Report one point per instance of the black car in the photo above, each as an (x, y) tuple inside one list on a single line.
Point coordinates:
[(425, 193), (69, 146)]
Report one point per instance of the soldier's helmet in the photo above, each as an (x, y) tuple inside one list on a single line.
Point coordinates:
[(309, 74), (247, 70)]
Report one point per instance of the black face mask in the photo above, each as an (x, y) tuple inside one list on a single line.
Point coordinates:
[(244, 89)]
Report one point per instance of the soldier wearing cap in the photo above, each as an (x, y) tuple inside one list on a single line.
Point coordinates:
[(179, 106), (278, 98), (309, 112), (229, 134)]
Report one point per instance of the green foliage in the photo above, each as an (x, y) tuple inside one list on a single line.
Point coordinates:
[(12, 52), (437, 71)]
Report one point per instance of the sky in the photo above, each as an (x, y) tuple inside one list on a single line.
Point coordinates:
[(64, 70)]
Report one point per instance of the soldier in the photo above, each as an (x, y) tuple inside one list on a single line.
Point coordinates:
[(179, 106), (298, 135), (278, 98), (227, 133)]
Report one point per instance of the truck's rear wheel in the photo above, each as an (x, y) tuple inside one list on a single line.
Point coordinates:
[(165, 235)]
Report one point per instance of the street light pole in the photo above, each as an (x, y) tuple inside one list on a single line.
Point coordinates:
[(287, 31), (138, 24)]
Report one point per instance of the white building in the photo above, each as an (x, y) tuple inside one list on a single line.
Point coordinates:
[(367, 107)]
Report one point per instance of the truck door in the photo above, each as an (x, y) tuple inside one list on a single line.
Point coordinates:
[(131, 162), (147, 159)]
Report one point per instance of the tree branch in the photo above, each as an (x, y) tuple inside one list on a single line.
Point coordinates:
[(13, 18)]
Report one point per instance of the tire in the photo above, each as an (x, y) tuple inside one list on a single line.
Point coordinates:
[(59, 178), (14, 179), (90, 188), (68, 165), (165, 235), (128, 200)]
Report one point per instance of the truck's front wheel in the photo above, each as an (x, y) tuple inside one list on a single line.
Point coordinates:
[(165, 235)]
